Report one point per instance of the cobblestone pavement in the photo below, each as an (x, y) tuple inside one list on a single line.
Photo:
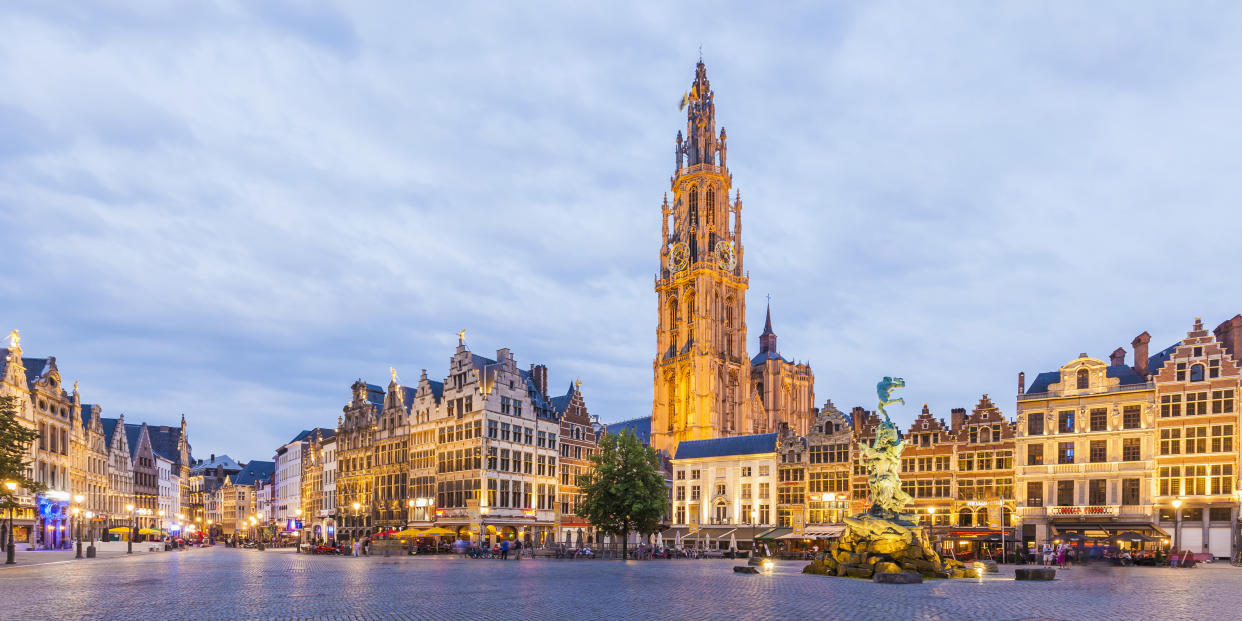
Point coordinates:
[(223, 583)]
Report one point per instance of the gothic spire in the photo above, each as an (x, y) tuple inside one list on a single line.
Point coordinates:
[(767, 325), (701, 145)]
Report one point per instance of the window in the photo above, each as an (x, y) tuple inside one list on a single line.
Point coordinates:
[(1065, 493), (694, 475), (1196, 373), (1099, 419), (504, 431), (1214, 368), (965, 517), (763, 491), (965, 462), (1171, 441), (1130, 491), (1084, 379), (1065, 421), (1181, 371), (1219, 514), (1196, 440), (1131, 417), (1222, 438), (1065, 453), (1196, 403), (694, 492), (745, 471), (1035, 424), (1222, 478), (1170, 480), (763, 471), (1131, 449), (1098, 452), (1034, 494), (681, 475), (681, 492), (1170, 406), (1195, 481), (1222, 401), (720, 489), (1097, 492), (746, 487)]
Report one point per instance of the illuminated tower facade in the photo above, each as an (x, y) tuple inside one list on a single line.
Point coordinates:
[(701, 370)]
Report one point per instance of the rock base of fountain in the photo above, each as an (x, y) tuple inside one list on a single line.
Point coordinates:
[(873, 545)]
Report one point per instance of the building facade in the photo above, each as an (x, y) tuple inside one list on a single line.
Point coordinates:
[(578, 443), (725, 491)]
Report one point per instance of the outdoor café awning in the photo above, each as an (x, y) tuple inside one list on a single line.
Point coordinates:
[(774, 533), (149, 531), (822, 532), (119, 529)]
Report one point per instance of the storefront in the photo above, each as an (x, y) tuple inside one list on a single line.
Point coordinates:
[(969, 544)]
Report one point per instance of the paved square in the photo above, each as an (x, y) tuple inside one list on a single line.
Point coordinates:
[(222, 583)]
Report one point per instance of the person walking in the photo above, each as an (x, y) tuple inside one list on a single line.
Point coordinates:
[(517, 547), (1061, 554), (504, 549), (357, 546)]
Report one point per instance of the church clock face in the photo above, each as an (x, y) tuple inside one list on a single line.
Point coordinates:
[(679, 256), (724, 255)]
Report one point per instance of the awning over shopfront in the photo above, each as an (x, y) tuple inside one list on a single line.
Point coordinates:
[(1110, 530), (773, 533), (823, 532)]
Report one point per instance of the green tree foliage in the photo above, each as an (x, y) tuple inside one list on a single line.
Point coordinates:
[(15, 440), (624, 492)]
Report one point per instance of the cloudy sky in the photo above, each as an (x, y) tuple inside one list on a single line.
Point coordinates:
[(232, 210)]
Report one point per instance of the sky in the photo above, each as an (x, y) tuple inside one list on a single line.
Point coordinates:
[(233, 210)]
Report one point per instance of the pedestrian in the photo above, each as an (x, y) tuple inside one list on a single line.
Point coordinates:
[(1061, 556), (504, 549), (517, 546), (357, 546)]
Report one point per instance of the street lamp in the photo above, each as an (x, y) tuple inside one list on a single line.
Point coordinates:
[(931, 524), (298, 548), (12, 487), (90, 549), (76, 510), (1177, 532), (130, 546), (356, 507), (754, 545)]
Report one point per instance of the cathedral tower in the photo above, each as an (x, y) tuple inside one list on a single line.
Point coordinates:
[(701, 370)]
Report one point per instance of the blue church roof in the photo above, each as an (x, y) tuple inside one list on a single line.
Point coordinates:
[(640, 427), (721, 447)]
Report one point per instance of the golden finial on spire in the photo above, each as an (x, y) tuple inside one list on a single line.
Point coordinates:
[(578, 384), (394, 374), (461, 337), (15, 340), (75, 387)]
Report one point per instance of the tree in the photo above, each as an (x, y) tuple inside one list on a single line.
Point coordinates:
[(15, 440), (624, 490)]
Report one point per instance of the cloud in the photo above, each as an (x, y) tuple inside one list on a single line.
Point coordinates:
[(233, 210)]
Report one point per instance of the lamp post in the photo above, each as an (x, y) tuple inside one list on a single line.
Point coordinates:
[(754, 545), (258, 521), (298, 548), (1177, 530), (12, 549), (76, 522), (355, 529), (130, 539), (90, 529), (931, 525)]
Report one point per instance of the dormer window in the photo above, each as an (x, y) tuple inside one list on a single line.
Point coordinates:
[(1084, 380), (1196, 373)]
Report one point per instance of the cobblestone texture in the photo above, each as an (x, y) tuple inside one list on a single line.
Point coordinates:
[(225, 583)]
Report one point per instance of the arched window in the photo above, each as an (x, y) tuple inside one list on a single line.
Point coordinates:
[(728, 311), (672, 312), (965, 517), (1006, 516), (710, 206), (981, 517), (1196, 373), (690, 315), (985, 435), (694, 208), (1083, 379)]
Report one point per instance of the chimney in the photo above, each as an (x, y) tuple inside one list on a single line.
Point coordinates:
[(1229, 333), (957, 416), (539, 373), (503, 355), (213, 458), (1117, 358), (1140, 353), (1021, 382)]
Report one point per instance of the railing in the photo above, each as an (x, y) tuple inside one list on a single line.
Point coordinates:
[(1084, 511), (1089, 392)]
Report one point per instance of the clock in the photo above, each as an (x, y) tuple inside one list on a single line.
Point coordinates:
[(679, 256), (724, 255)]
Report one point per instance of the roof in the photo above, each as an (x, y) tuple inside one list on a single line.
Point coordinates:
[(721, 447), (375, 395), (132, 435), (764, 356), (165, 442), (109, 427), (224, 461), (34, 369), (254, 471), (561, 403), (437, 389), (640, 427), (301, 436), (1126, 375), (87, 408), (1154, 363)]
